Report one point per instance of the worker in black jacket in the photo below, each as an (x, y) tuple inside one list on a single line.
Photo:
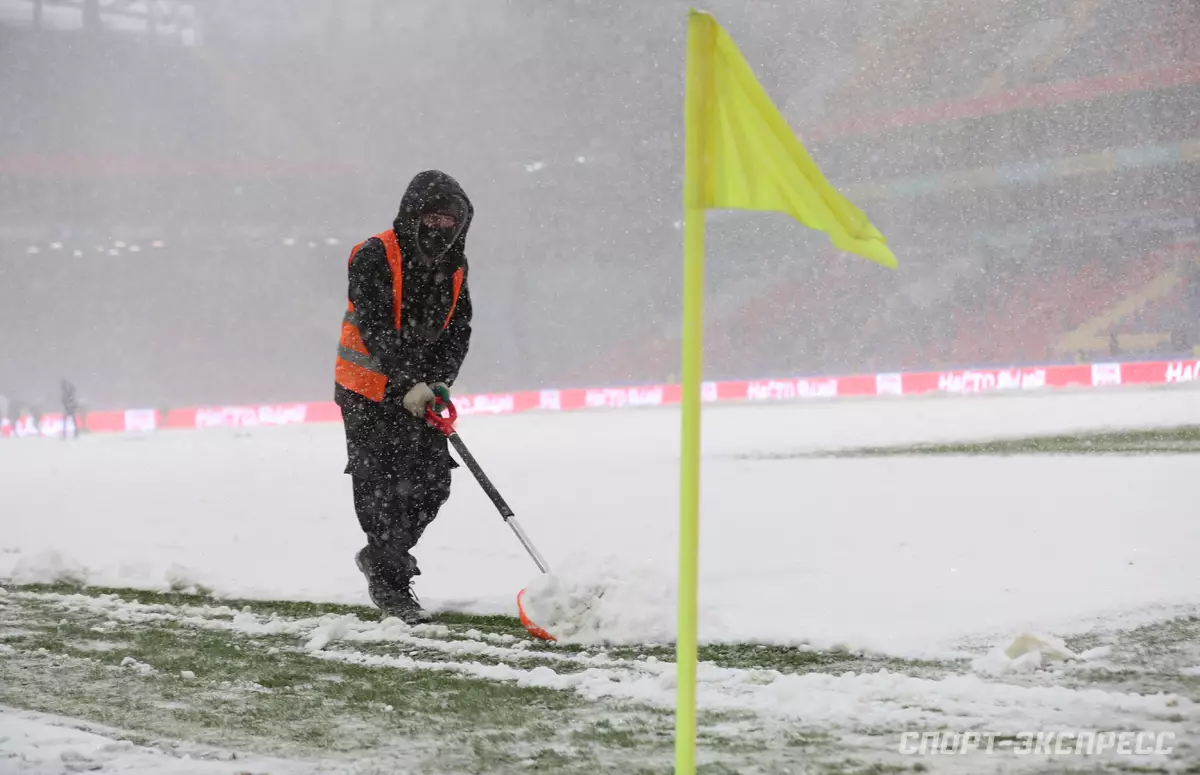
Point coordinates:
[(404, 336)]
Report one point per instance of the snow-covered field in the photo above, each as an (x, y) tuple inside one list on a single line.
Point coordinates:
[(901, 555), (905, 557)]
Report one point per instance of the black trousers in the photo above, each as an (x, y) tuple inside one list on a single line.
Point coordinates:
[(394, 510), (401, 472)]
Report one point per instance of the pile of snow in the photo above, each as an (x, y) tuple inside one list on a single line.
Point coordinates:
[(334, 628), (51, 566), (140, 667), (1029, 651), (592, 604), (48, 567), (182, 579)]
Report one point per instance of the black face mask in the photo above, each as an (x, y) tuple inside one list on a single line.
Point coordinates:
[(439, 226)]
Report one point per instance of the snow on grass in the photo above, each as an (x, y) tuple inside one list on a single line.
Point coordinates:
[(882, 700), (192, 659), (649, 680), (133, 664), (315, 633), (265, 692), (45, 744)]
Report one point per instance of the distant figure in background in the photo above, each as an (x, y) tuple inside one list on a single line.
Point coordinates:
[(5, 423), (70, 410), (404, 338)]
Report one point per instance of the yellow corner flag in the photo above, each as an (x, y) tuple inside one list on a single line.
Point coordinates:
[(750, 158), (740, 155)]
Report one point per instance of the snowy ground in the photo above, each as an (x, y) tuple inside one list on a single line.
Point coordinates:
[(41, 744), (904, 558)]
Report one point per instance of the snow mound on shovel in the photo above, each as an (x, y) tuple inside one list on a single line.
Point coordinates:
[(603, 605)]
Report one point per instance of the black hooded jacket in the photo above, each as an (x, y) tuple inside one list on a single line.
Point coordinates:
[(420, 351)]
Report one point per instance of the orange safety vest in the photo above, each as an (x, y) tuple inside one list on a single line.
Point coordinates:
[(356, 368)]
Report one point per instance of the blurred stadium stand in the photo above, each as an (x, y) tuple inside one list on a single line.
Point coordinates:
[(180, 184)]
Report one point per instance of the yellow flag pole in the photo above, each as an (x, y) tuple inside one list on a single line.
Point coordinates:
[(689, 500), (699, 83)]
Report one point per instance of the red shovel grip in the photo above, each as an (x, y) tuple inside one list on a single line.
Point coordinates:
[(433, 414)]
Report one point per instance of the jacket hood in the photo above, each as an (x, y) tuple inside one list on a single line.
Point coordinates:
[(426, 187)]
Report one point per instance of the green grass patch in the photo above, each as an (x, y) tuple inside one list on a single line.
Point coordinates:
[(1182, 440), (1156, 657), (288, 608)]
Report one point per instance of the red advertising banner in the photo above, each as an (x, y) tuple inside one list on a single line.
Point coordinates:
[(964, 382), (1160, 372)]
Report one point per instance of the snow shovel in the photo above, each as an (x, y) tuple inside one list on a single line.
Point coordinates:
[(446, 426)]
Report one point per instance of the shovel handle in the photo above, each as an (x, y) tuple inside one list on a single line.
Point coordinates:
[(446, 425)]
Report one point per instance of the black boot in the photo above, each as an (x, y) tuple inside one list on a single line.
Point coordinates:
[(393, 596)]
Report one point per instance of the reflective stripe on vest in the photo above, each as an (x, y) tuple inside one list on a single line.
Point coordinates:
[(356, 369), (365, 360)]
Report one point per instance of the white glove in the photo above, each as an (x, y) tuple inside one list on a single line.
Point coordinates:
[(417, 399)]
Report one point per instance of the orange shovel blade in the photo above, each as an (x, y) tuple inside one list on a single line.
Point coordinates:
[(534, 630)]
